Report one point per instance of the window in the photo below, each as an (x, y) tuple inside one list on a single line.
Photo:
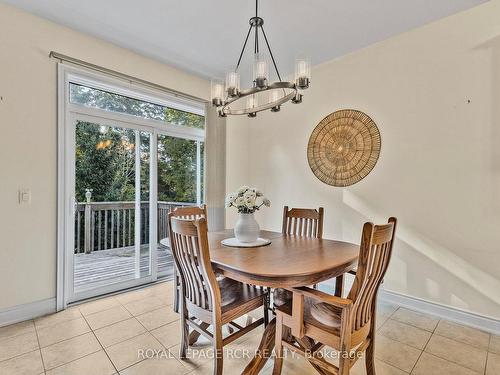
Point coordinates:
[(91, 97)]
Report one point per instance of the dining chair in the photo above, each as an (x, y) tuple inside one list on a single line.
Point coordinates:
[(189, 212), (317, 319), (308, 222), (215, 302), (304, 222)]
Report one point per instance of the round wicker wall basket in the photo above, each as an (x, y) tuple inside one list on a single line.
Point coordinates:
[(344, 147)]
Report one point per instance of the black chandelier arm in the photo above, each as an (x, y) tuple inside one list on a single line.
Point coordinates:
[(271, 53), (256, 47), (243, 49)]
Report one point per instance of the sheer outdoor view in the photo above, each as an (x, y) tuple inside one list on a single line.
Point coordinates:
[(112, 188)]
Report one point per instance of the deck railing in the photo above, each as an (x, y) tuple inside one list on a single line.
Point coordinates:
[(111, 225)]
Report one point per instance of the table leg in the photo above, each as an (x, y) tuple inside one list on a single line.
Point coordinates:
[(264, 351)]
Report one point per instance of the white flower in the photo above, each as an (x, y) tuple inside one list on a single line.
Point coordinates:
[(249, 195), (247, 199), (239, 201), (250, 203), (230, 199)]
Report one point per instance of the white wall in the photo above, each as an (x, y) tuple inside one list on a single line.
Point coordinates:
[(435, 94), (28, 142)]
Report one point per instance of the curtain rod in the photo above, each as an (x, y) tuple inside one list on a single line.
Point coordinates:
[(114, 73)]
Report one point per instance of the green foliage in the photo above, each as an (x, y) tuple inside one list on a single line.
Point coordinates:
[(176, 169), (117, 103), (105, 163), (177, 117)]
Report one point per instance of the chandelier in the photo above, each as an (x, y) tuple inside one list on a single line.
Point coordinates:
[(231, 100)]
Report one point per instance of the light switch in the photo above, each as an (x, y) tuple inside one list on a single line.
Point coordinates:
[(24, 196)]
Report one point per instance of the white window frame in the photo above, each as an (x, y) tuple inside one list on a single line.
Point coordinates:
[(68, 112)]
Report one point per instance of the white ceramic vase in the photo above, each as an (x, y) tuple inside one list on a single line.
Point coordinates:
[(246, 229)]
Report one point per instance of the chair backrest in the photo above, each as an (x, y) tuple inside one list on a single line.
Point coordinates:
[(306, 222), (190, 212), (374, 256), (189, 242)]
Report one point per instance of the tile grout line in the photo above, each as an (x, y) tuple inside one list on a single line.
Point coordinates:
[(39, 348), (423, 349), (449, 360), (102, 347), (488, 355)]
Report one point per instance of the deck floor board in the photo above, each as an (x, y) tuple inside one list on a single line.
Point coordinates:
[(105, 267)]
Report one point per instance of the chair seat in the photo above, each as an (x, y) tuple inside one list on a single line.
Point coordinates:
[(320, 315), (235, 293), (326, 314)]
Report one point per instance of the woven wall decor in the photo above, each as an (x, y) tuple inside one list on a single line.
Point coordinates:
[(344, 147)]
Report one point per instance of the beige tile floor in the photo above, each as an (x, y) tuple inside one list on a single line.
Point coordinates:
[(107, 337)]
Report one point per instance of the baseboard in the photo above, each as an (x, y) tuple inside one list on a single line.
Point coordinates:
[(27, 311), (453, 314)]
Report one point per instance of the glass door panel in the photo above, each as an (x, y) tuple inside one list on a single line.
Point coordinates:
[(180, 163), (112, 198)]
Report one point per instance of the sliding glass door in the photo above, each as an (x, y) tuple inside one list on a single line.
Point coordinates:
[(129, 157)]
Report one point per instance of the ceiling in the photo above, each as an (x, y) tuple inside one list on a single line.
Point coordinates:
[(205, 36)]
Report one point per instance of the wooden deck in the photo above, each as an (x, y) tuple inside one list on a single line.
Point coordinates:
[(105, 267)]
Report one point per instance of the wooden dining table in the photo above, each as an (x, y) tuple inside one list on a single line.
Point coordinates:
[(288, 261)]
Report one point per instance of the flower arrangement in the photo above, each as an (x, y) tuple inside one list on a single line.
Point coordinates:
[(247, 200)]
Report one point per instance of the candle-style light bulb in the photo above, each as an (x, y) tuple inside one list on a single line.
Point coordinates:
[(275, 96), (217, 93), (252, 103), (260, 71), (233, 83), (302, 73)]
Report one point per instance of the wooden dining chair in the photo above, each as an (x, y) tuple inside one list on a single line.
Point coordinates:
[(317, 319), (213, 301), (304, 222), (308, 222), (189, 212)]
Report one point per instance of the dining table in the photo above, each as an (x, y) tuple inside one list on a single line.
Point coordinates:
[(289, 261)]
